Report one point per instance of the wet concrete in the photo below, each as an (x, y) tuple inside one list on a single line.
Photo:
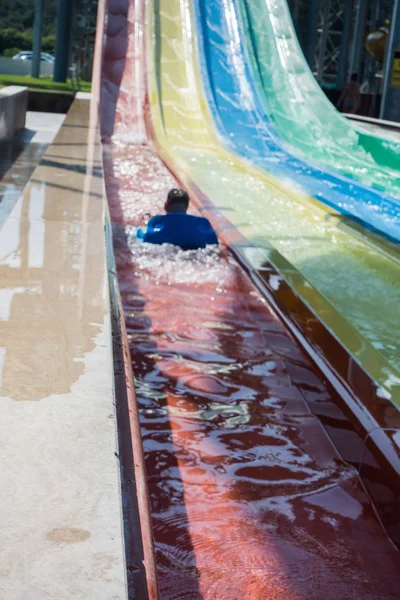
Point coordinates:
[(20, 156), (61, 534)]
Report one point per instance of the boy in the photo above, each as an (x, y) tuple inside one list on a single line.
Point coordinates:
[(177, 227)]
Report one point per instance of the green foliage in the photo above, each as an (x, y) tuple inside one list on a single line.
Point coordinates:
[(28, 18), (44, 83), (10, 52), (16, 22), (49, 43), (17, 17), (12, 38), (19, 14)]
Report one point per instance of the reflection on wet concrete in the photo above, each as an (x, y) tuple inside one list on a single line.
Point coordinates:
[(249, 497), (60, 504), (20, 156), (49, 266)]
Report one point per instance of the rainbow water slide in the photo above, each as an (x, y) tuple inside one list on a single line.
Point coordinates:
[(304, 117), (246, 126), (352, 272), (259, 457)]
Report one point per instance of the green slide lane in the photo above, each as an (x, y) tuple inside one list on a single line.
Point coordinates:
[(303, 116)]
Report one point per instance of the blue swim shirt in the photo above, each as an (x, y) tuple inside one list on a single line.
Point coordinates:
[(179, 229)]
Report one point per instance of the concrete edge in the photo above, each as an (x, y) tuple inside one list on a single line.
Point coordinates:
[(139, 542), (371, 121), (13, 108)]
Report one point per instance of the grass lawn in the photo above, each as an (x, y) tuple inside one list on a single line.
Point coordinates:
[(44, 83)]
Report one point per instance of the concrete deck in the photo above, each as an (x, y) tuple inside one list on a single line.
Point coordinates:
[(20, 156), (42, 127), (61, 534), (13, 107)]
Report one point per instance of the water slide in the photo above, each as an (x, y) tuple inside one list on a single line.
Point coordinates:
[(353, 274), (249, 496), (247, 128), (304, 117)]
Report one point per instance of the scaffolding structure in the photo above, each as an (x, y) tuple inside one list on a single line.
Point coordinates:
[(333, 32)]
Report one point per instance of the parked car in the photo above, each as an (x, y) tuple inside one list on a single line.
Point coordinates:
[(28, 55)]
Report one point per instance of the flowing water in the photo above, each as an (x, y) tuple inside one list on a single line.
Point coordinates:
[(249, 498)]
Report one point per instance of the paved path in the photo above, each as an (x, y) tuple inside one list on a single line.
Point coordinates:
[(61, 532)]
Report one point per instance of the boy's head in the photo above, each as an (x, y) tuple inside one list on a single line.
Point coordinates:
[(177, 201), (354, 78)]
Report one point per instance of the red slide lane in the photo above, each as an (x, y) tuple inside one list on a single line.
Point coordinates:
[(249, 498)]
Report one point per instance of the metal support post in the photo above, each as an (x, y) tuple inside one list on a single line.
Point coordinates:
[(63, 40), (295, 13), (37, 38), (312, 31), (344, 51), (359, 36), (324, 37)]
